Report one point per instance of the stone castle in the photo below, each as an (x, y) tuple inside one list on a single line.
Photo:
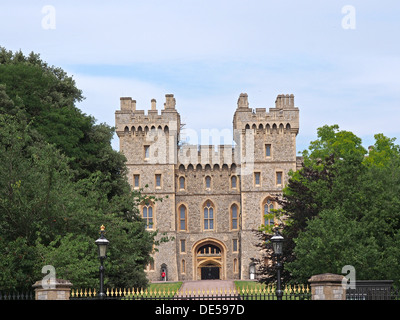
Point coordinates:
[(213, 196)]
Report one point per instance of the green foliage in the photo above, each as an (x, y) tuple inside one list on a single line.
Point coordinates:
[(60, 181), (343, 208), (46, 97)]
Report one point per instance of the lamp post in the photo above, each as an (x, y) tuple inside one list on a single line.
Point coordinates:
[(277, 243), (102, 244)]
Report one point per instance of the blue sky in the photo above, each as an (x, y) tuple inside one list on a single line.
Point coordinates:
[(207, 52)]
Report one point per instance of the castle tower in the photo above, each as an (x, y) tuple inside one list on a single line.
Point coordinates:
[(267, 143), (149, 142), (217, 195)]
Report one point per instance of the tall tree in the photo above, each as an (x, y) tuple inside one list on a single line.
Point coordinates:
[(60, 181), (342, 208), (47, 96)]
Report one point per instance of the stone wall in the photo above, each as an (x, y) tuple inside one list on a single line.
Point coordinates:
[(253, 130)]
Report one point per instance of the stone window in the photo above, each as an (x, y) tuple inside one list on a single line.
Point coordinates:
[(182, 218), (269, 206), (183, 266), (234, 217), (136, 181), (183, 246), (150, 266), (279, 175), (146, 152), (147, 213), (158, 180), (233, 182), (208, 182), (235, 245), (208, 216), (235, 265), (268, 150), (182, 183), (257, 178)]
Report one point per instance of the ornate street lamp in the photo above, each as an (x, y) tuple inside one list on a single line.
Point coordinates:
[(277, 244), (102, 244)]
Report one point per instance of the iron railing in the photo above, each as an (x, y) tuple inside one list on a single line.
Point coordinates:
[(13, 295), (373, 290), (267, 293)]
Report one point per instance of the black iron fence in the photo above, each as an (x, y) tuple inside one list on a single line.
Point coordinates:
[(364, 290), (373, 290), (13, 295), (266, 293)]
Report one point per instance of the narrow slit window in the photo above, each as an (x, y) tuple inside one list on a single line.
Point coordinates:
[(158, 180), (257, 178), (146, 152), (182, 217), (208, 182), (233, 182), (136, 180), (234, 217), (267, 150), (182, 183), (279, 178)]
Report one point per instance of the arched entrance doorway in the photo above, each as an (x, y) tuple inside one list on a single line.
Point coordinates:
[(209, 257)]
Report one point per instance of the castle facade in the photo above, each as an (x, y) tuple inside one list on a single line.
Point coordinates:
[(213, 196)]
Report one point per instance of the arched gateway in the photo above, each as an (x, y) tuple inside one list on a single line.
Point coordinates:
[(209, 257)]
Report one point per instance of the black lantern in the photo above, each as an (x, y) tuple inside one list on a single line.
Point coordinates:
[(277, 244), (102, 244)]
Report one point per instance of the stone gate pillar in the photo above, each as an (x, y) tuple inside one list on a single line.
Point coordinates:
[(327, 286), (57, 289)]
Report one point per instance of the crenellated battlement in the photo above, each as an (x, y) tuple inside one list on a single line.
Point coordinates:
[(283, 118), (137, 122)]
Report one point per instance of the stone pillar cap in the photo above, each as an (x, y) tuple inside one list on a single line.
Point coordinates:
[(326, 277), (59, 283)]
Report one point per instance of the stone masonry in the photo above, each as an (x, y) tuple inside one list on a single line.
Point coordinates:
[(217, 195)]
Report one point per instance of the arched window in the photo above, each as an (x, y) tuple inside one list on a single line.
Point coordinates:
[(208, 216), (209, 249), (234, 217), (182, 218), (147, 213), (268, 213), (208, 182), (233, 182), (182, 183)]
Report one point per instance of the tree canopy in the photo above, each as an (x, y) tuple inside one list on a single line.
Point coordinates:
[(342, 208), (60, 181)]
